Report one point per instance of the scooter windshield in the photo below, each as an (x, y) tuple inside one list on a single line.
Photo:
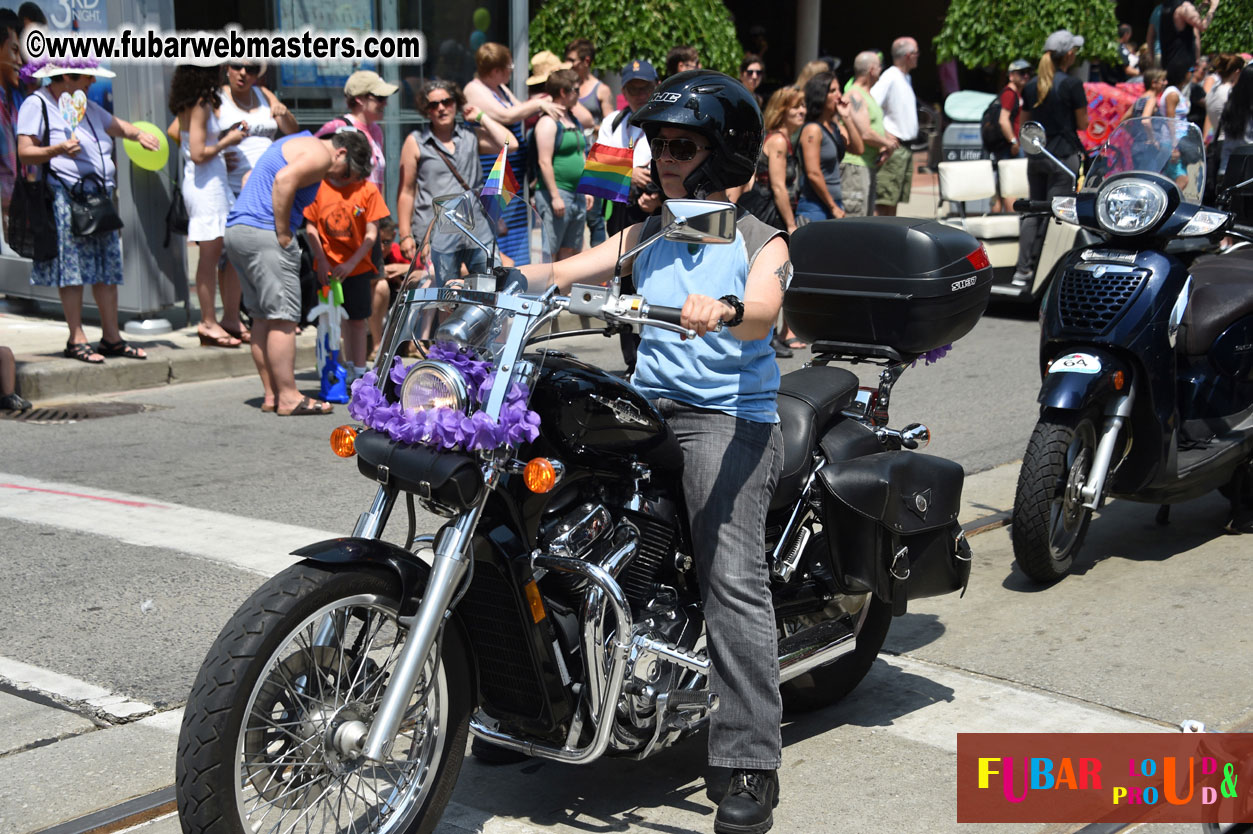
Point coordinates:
[(1158, 145)]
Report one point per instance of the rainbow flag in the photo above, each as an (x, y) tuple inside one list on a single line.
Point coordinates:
[(500, 181), (607, 173)]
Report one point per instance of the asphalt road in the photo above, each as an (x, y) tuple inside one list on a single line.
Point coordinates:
[(98, 597)]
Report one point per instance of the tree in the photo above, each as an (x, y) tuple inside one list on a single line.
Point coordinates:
[(625, 30), (980, 33), (1232, 29)]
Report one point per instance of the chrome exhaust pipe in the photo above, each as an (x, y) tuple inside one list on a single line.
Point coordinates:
[(819, 644)]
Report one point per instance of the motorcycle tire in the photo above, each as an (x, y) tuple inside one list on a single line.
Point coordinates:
[(278, 664), (1049, 520), (821, 687)]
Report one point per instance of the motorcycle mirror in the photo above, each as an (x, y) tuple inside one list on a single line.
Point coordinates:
[(700, 221), (454, 211), (1031, 138)]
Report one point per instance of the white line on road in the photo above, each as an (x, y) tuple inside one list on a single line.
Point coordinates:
[(71, 691), (154, 523)]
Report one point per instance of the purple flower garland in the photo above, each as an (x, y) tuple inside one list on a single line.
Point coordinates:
[(934, 355), (446, 428)]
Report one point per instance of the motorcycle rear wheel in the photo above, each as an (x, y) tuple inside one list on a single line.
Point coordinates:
[(832, 682), (1049, 519), (258, 749)]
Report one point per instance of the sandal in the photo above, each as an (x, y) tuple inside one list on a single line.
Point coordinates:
[(795, 343), (120, 348), (218, 341), (268, 409), (306, 407), (244, 337), (82, 351)]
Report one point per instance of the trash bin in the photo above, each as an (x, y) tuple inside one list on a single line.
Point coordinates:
[(962, 141)]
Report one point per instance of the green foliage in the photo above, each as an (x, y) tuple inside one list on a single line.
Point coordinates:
[(1232, 29), (980, 33), (623, 30)]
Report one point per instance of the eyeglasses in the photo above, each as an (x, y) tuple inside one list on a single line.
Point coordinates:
[(435, 104), (680, 149), (250, 69), (752, 72)]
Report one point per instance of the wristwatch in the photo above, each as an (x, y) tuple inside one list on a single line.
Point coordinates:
[(738, 306)]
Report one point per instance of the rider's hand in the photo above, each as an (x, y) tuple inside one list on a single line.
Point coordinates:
[(703, 314)]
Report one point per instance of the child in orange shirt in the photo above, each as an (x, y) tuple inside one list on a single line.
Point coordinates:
[(342, 228)]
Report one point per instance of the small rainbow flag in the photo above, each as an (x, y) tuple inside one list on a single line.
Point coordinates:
[(607, 173), (500, 180)]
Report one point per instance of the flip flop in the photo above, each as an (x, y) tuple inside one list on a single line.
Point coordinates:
[(795, 343), (82, 351), (218, 341), (306, 407), (268, 409), (120, 348)]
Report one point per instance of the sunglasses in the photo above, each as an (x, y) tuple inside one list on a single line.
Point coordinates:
[(250, 69), (75, 76), (752, 72), (435, 104), (681, 150)]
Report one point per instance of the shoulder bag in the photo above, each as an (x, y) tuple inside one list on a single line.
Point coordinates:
[(177, 221), (32, 230), (92, 211)]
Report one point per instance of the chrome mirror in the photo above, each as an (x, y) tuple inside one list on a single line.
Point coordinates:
[(1031, 138), (698, 221), (455, 212)]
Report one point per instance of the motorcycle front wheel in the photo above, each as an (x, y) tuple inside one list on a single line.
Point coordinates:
[(1049, 519), (265, 746)]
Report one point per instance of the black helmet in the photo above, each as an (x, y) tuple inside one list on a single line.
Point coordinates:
[(717, 107)]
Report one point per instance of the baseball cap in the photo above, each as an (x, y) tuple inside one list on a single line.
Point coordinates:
[(1062, 41), (638, 70), (365, 81), (1019, 65)]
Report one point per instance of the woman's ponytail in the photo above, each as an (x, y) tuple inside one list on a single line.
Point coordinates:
[(1044, 77)]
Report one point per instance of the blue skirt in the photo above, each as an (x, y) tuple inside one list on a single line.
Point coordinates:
[(79, 260), (516, 241)]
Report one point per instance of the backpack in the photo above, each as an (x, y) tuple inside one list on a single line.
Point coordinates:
[(532, 152), (990, 126)]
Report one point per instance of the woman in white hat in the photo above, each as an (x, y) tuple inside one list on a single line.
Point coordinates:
[(74, 154)]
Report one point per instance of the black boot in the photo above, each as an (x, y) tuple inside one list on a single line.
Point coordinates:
[(746, 809)]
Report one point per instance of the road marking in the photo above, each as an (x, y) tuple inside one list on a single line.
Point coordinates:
[(142, 521), (71, 691)]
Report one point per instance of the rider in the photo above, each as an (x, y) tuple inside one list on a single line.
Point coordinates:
[(718, 394)]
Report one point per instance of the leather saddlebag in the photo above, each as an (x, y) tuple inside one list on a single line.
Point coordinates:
[(451, 479)]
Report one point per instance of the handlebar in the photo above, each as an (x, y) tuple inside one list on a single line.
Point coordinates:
[(1241, 230), (670, 315), (1025, 206)]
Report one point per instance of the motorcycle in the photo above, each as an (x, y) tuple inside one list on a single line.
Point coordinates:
[(1146, 350), (557, 612)]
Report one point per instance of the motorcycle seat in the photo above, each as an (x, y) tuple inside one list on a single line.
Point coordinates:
[(1222, 292), (809, 400)]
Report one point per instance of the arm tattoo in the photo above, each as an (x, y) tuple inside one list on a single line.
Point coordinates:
[(857, 103), (784, 274)]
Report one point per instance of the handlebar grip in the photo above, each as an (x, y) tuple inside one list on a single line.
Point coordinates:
[(670, 315), (1242, 230), (1024, 206)]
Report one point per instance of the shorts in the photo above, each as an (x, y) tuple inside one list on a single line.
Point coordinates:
[(269, 275), (564, 232), (858, 194), (895, 178), (358, 295)]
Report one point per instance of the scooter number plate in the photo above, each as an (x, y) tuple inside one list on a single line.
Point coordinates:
[(1076, 363)]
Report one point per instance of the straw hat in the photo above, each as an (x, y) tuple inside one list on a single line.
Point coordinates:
[(544, 64)]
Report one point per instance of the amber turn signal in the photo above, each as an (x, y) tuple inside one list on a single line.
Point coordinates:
[(535, 601), (539, 475), (344, 441)]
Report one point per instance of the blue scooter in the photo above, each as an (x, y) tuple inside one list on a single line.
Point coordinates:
[(1146, 349)]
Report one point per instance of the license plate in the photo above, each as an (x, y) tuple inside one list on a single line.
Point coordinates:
[(1076, 363)]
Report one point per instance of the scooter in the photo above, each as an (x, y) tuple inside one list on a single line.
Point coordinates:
[(1146, 350)]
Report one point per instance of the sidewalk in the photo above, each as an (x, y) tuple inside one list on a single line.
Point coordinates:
[(45, 376)]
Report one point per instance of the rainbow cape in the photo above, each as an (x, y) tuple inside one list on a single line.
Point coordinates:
[(607, 173), (500, 181)]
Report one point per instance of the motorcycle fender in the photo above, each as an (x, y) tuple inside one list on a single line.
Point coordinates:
[(412, 572), (1082, 378)]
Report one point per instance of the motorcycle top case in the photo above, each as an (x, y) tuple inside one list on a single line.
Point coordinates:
[(891, 523), (903, 283)]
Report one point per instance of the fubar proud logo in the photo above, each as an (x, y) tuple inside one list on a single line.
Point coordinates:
[(1105, 777)]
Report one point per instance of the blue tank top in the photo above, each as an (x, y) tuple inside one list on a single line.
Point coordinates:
[(719, 372), (255, 204)]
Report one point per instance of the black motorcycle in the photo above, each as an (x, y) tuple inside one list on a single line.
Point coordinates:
[(1146, 351), (557, 612)]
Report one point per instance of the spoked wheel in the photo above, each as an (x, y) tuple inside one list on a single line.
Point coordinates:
[(271, 735), (831, 682), (1049, 520)]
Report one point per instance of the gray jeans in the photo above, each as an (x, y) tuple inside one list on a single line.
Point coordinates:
[(730, 468)]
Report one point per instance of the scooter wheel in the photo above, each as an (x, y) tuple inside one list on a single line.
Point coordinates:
[(1049, 520)]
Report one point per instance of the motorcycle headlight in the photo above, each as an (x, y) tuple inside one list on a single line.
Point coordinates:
[(434, 385), (1130, 208)]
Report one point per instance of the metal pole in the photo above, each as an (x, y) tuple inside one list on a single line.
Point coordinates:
[(808, 21)]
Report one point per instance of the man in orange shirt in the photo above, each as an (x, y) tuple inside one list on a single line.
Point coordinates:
[(342, 225)]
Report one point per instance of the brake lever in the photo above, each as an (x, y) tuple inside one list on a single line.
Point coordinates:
[(664, 325)]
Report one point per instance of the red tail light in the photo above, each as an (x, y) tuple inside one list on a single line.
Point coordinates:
[(979, 258)]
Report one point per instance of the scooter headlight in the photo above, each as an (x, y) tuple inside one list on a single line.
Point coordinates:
[(1130, 208), (433, 384)]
